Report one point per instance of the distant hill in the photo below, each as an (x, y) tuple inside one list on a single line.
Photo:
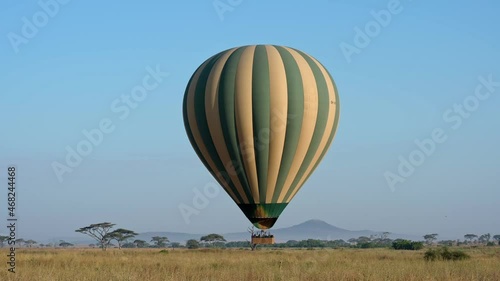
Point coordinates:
[(311, 229)]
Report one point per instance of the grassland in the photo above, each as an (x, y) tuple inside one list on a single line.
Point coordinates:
[(260, 265)]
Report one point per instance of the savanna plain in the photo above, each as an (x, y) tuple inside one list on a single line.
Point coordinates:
[(243, 264)]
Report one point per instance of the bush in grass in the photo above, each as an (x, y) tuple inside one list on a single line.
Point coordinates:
[(445, 254), (431, 255), (401, 244)]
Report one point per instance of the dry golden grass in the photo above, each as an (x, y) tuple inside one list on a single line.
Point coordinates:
[(260, 265)]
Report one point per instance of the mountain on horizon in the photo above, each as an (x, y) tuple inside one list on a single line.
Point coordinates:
[(310, 229)]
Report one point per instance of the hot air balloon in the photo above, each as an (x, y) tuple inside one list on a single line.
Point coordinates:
[(261, 118)]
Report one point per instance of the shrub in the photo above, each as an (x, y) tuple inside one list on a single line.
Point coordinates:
[(192, 244), (365, 245), (407, 245), (445, 254), (431, 255), (459, 255)]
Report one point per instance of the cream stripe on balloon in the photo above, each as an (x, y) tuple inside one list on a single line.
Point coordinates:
[(279, 112), (308, 122), (332, 108), (193, 125), (214, 123), (243, 116)]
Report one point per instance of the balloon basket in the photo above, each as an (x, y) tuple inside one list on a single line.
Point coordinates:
[(263, 241)]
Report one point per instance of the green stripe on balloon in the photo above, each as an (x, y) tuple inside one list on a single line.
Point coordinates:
[(319, 130), (227, 85), (261, 116), (188, 129), (201, 120), (335, 125), (294, 118)]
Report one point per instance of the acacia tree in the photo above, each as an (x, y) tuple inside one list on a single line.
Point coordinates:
[(485, 238), (20, 241), (121, 235), (3, 239), (470, 237), (99, 232), (364, 239), (65, 244), (497, 238), (30, 243), (192, 244), (212, 238), (160, 241), (430, 238), (141, 243)]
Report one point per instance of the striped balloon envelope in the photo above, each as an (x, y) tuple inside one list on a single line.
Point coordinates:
[(261, 118)]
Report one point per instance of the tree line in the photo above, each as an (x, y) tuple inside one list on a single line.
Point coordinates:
[(469, 239), (104, 235), (21, 242)]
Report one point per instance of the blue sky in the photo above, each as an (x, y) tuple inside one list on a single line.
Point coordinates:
[(393, 91)]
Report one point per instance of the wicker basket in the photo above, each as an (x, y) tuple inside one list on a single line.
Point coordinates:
[(262, 240)]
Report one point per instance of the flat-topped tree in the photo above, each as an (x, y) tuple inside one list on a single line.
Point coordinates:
[(3, 239), (20, 241), (65, 244), (160, 241), (30, 243), (363, 239), (99, 232), (430, 238), (141, 243), (211, 239), (470, 237), (121, 235)]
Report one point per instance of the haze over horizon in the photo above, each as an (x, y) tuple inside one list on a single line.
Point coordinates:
[(410, 83), (310, 229)]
